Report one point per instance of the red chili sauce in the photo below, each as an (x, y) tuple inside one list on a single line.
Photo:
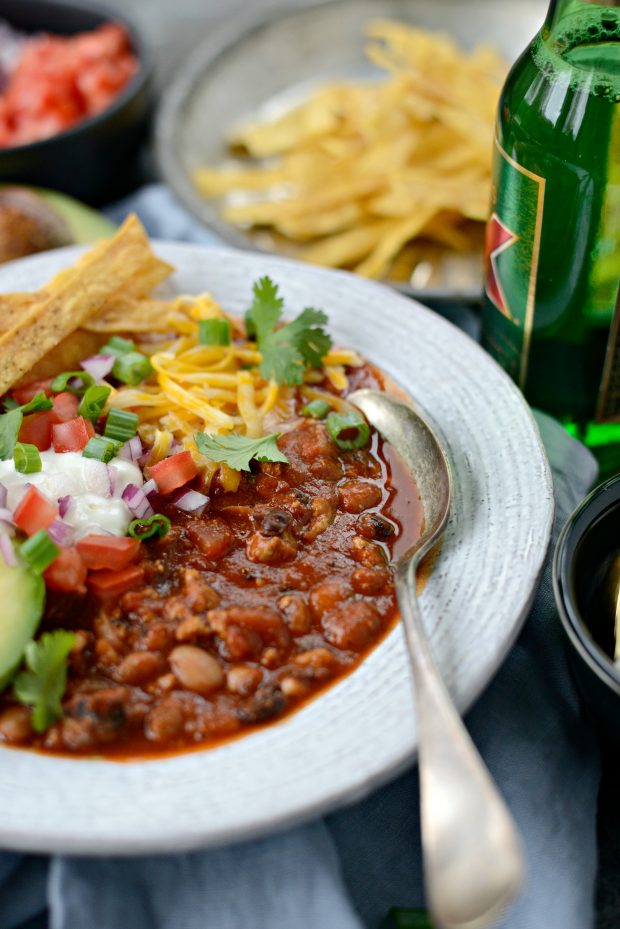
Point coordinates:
[(245, 612)]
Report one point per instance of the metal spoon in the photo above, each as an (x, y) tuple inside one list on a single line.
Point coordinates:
[(473, 859)]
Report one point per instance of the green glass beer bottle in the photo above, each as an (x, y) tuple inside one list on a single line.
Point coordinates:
[(551, 311)]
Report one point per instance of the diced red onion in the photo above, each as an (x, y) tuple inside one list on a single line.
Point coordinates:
[(61, 533), (137, 501), (192, 502), (6, 516), (131, 450), (97, 477), (150, 487), (3, 494), (7, 551), (98, 366), (63, 505)]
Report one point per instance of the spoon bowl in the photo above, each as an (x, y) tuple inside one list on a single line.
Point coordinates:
[(473, 859)]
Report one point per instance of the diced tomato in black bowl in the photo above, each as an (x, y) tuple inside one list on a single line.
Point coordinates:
[(75, 101)]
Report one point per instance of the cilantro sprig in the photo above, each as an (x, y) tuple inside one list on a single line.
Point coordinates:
[(288, 350), (43, 684), (238, 450)]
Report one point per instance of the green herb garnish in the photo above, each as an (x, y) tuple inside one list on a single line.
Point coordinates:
[(132, 368), (238, 450), (121, 425), (316, 409), (43, 684), (289, 350), (39, 551), (157, 525), (92, 403), (61, 382), (214, 332), (348, 430), (27, 458)]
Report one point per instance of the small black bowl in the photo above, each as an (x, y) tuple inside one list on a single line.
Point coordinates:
[(97, 159), (586, 549)]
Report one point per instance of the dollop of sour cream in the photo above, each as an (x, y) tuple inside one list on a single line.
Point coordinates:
[(95, 489)]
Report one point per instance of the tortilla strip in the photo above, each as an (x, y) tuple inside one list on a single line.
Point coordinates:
[(76, 294)]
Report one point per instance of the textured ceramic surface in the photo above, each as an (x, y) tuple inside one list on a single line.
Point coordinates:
[(265, 64), (363, 730)]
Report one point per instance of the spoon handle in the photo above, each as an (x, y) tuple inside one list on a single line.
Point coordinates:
[(473, 860)]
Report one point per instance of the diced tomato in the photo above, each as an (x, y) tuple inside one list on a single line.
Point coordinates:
[(67, 573), (66, 406), (34, 511), (113, 583), (73, 435), (36, 429), (107, 551), (173, 472), (27, 392)]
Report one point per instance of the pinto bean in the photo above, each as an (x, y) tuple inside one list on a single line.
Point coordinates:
[(369, 581), (294, 687), (352, 625), (213, 537), (296, 612), (326, 596), (139, 667), (243, 679), (196, 669), (15, 724), (357, 496), (274, 550), (367, 553)]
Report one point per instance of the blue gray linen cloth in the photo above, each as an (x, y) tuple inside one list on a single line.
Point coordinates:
[(346, 870)]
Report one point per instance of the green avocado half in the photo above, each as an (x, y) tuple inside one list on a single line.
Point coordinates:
[(22, 597)]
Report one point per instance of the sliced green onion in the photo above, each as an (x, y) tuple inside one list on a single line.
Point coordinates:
[(37, 404), (101, 449), (92, 403), (61, 382), (214, 332), (26, 457), (348, 430), (121, 425), (132, 368), (157, 525), (39, 551), (117, 346), (316, 409)]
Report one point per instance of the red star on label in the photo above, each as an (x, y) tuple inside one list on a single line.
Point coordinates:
[(498, 238)]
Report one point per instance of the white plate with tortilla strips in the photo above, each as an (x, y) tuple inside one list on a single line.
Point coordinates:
[(362, 731), (258, 68)]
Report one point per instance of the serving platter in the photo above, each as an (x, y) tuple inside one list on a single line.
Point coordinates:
[(265, 65), (362, 731)]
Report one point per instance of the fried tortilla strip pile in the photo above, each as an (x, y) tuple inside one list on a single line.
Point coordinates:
[(123, 265), (360, 170)]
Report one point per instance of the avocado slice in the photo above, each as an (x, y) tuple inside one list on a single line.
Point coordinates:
[(33, 219), (22, 597)]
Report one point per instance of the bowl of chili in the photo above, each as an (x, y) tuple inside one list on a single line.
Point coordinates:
[(75, 98)]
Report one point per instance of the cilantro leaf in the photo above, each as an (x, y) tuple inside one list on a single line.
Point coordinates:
[(238, 450), (286, 351), (265, 311), (43, 684), (11, 422)]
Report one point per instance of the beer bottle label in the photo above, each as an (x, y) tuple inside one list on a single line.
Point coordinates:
[(511, 261)]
